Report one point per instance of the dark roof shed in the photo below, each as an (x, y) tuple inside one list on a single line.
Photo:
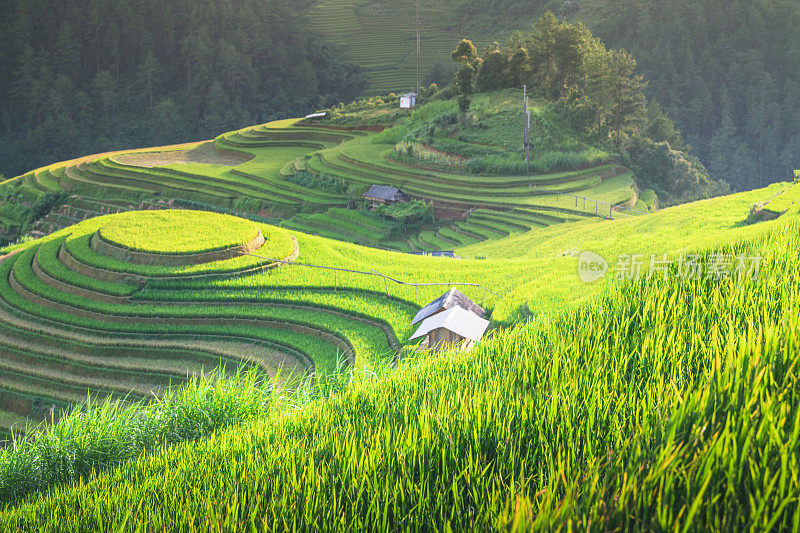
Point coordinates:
[(384, 192)]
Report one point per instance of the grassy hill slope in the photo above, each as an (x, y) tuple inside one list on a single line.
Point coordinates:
[(83, 290), (90, 296), (381, 39), (381, 36), (718, 72), (680, 391), (305, 174)]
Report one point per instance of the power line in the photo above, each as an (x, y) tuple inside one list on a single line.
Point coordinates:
[(419, 46), (526, 131), (371, 273)]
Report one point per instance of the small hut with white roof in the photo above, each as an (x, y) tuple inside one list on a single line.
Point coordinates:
[(450, 321)]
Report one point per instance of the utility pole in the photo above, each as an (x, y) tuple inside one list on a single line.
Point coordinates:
[(419, 42), (526, 132)]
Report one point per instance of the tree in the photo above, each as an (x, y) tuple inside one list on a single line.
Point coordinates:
[(438, 74), (465, 83), (494, 73), (106, 89), (704, 59), (660, 128), (790, 156), (557, 53), (596, 88), (761, 122), (626, 91), (147, 72), (729, 158), (167, 122), (466, 54), (112, 60), (671, 173), (519, 66), (67, 48), (213, 122)]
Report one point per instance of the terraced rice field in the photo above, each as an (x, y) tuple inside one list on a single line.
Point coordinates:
[(80, 312), (74, 317), (123, 295), (131, 178), (346, 225), (381, 38), (260, 172), (364, 162)]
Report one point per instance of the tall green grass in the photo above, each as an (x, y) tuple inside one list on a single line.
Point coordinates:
[(540, 162), (95, 436), (420, 121), (665, 405)]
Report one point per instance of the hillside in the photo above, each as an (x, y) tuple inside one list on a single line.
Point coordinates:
[(728, 77), (159, 74), (305, 174), (670, 372), (109, 285), (225, 335), (166, 267), (299, 185), (381, 36), (84, 77)]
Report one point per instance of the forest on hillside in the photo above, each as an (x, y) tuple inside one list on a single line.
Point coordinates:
[(595, 90), (87, 76), (94, 75), (727, 72)]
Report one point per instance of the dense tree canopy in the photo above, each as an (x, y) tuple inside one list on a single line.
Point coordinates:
[(92, 75), (564, 62), (727, 72), (598, 91)]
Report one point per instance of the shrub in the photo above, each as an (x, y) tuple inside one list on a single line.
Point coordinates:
[(324, 183), (421, 123), (465, 149), (410, 215), (422, 152), (540, 163), (392, 135)]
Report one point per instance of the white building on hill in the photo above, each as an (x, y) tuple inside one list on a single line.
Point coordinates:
[(408, 100)]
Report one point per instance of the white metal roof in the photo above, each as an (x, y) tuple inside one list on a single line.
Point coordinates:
[(317, 115), (408, 95), (456, 319), (451, 298)]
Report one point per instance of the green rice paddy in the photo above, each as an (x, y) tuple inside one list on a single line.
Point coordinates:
[(178, 231)]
